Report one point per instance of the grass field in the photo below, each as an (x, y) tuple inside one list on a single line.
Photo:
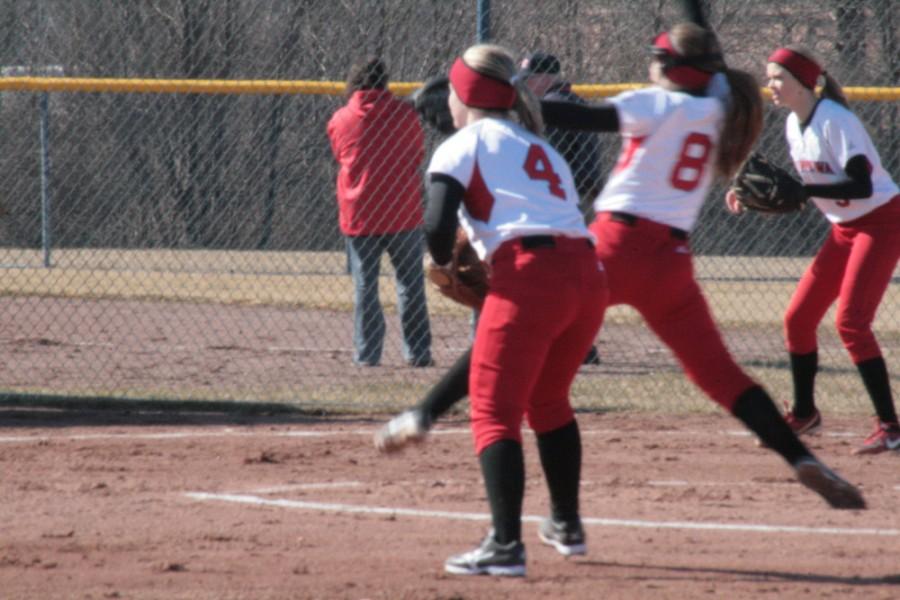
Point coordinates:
[(275, 327)]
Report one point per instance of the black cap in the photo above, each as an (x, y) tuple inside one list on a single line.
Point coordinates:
[(541, 62)]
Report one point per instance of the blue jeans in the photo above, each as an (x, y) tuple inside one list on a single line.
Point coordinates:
[(405, 250)]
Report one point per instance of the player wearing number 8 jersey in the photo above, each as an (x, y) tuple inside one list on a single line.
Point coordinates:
[(698, 121), (664, 171), (515, 197)]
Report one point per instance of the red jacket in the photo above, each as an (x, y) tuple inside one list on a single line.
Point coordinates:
[(379, 143)]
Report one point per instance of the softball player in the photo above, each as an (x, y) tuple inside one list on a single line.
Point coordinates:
[(671, 152), (843, 176), (515, 197), (671, 146)]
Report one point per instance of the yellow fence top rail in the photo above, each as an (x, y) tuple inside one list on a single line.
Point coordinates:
[(329, 88)]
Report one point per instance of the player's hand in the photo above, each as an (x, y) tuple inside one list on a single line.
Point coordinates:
[(732, 203)]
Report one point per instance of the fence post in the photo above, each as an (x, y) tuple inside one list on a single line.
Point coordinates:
[(484, 21), (45, 176)]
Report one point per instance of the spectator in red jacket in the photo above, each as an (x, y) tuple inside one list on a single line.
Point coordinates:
[(379, 144)]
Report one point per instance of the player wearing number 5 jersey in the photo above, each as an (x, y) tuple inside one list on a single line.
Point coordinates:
[(842, 174), (515, 197), (698, 121)]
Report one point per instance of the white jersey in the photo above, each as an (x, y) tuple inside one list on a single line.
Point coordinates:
[(669, 142), (516, 184), (821, 150)]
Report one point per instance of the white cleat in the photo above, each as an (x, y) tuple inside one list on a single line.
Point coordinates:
[(406, 428)]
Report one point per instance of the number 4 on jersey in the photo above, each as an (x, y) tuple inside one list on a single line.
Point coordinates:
[(537, 165)]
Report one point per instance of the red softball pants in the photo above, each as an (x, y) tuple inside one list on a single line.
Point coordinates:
[(854, 266), (649, 267), (546, 303)]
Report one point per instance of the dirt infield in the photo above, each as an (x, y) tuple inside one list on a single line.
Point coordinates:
[(129, 505)]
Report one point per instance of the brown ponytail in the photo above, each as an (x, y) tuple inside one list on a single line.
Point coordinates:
[(743, 122), (833, 90), (744, 106)]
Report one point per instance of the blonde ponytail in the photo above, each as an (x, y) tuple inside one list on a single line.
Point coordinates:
[(528, 108)]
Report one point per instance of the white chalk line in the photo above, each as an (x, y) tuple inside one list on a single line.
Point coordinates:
[(277, 489), (602, 522), (653, 483), (683, 483)]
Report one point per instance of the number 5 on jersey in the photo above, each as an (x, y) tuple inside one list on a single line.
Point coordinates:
[(537, 166)]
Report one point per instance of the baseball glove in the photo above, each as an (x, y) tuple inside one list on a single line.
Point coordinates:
[(431, 103), (763, 187), (465, 278)]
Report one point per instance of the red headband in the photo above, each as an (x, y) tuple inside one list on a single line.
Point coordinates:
[(803, 69), (480, 91), (685, 75)]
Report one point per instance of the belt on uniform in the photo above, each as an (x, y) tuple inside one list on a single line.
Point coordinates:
[(631, 220), (530, 242)]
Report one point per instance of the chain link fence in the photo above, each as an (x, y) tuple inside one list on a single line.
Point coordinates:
[(185, 246)]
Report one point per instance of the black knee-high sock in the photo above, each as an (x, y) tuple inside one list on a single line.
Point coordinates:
[(875, 377), (758, 412), (452, 387), (803, 371), (560, 452), (503, 468)]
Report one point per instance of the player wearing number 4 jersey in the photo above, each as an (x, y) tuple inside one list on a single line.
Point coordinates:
[(672, 150), (514, 196)]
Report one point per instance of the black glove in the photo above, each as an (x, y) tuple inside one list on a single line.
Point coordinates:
[(767, 188), (431, 103)]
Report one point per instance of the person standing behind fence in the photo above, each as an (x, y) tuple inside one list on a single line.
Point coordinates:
[(515, 197), (843, 176), (379, 144), (541, 73)]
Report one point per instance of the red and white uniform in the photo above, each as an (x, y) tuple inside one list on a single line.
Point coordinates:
[(516, 184), (661, 180), (858, 259), (820, 152), (547, 294), (664, 170)]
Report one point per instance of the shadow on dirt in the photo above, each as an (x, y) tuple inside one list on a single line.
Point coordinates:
[(67, 411), (696, 573)]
